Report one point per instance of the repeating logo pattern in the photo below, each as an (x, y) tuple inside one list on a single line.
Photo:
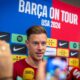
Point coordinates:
[(55, 47)]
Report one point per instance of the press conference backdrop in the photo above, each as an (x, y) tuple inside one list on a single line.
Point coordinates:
[(61, 21)]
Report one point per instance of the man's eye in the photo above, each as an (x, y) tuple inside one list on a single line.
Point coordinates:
[(43, 43), (35, 43)]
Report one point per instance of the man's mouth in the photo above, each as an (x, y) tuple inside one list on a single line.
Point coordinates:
[(39, 54)]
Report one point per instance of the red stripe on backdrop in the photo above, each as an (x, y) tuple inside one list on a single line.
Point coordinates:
[(67, 31)]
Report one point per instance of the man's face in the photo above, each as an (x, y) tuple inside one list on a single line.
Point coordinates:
[(36, 45)]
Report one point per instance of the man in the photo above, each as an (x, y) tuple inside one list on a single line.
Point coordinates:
[(36, 44), (26, 69)]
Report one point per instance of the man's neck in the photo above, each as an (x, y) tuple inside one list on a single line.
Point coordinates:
[(32, 62)]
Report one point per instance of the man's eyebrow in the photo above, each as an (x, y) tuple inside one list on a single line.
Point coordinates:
[(43, 41), (35, 42)]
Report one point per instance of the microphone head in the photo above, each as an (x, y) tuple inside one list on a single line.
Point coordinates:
[(28, 74)]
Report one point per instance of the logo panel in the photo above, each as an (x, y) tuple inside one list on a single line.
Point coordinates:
[(74, 45), (74, 62), (18, 38), (51, 42), (63, 44), (18, 49), (18, 57), (50, 51), (63, 52), (5, 36), (73, 53)]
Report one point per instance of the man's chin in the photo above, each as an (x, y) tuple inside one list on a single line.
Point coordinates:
[(39, 58)]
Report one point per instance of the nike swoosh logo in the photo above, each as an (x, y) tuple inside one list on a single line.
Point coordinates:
[(72, 54), (2, 36), (62, 44), (17, 49)]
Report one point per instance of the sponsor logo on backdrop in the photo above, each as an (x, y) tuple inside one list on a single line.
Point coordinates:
[(62, 52), (18, 57), (74, 62), (18, 49), (18, 38), (63, 44), (1, 36), (51, 42), (74, 45), (50, 51), (5, 36), (74, 53)]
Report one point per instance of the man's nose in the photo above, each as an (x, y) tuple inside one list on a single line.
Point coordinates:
[(40, 46)]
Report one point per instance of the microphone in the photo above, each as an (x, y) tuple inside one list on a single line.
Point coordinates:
[(75, 73), (28, 74)]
